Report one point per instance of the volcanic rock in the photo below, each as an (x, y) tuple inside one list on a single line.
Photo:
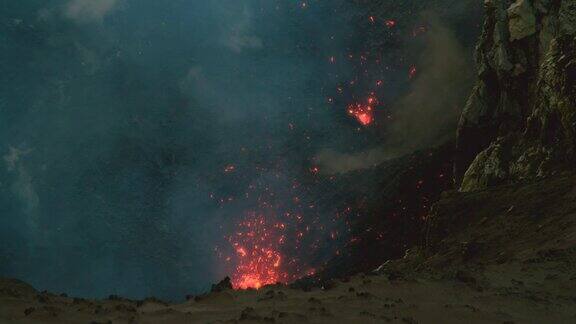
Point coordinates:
[(520, 121), (225, 284), (522, 20)]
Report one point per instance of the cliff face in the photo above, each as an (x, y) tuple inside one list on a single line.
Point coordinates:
[(520, 120)]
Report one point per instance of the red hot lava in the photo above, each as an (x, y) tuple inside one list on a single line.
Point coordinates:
[(257, 244), (390, 23), (364, 113)]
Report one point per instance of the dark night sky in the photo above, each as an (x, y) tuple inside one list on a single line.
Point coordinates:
[(118, 118)]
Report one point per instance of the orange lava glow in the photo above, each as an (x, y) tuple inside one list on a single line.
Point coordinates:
[(364, 113), (257, 243)]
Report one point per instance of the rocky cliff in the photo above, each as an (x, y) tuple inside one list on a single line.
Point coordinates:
[(520, 120)]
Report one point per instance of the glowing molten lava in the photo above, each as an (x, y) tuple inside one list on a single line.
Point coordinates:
[(412, 72), (283, 235), (390, 23), (257, 244), (364, 113)]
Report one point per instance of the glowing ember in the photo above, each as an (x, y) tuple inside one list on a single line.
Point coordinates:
[(364, 113), (412, 72), (257, 244), (390, 23), (283, 235)]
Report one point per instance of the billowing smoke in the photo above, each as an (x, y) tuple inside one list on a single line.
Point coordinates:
[(427, 115)]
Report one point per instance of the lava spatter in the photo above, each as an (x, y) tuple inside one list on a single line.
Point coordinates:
[(363, 112), (257, 243), (280, 240)]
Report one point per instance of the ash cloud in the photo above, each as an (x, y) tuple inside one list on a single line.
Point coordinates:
[(427, 115), (23, 186), (86, 11), (132, 123), (240, 35)]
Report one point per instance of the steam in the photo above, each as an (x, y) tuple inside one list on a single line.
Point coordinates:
[(23, 186), (239, 36), (427, 115), (85, 11)]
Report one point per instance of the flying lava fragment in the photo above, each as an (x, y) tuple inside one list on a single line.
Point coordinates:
[(257, 244), (412, 72), (390, 23), (363, 112)]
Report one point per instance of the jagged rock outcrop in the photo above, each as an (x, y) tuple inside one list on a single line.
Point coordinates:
[(223, 285), (520, 120)]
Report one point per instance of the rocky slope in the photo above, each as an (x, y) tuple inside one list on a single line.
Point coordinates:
[(520, 121)]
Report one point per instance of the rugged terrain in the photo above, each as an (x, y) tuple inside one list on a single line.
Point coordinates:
[(520, 120)]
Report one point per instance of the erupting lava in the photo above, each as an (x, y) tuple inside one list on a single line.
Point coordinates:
[(364, 113), (257, 244)]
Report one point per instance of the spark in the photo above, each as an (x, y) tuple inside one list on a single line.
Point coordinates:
[(412, 72)]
